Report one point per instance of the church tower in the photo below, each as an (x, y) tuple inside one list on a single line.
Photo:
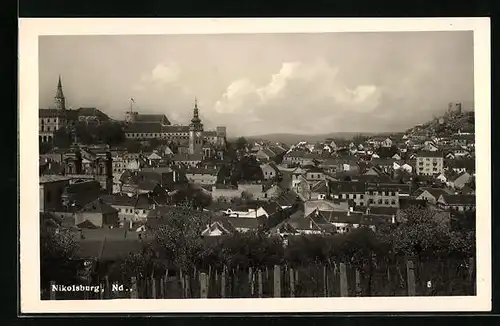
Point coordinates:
[(195, 132), (59, 99)]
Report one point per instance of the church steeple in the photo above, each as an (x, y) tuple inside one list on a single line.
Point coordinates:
[(59, 99), (196, 121)]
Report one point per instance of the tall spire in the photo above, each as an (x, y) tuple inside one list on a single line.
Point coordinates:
[(59, 99), (59, 93), (196, 118)]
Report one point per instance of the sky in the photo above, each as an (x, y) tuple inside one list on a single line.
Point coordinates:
[(256, 84)]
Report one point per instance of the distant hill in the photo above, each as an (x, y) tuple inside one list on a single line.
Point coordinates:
[(295, 138)]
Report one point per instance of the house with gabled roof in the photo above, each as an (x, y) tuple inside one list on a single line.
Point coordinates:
[(459, 180), (97, 214), (430, 194), (458, 203)]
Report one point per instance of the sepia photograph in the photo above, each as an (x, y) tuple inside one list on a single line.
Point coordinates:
[(212, 163)]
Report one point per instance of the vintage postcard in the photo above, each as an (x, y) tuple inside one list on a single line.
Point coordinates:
[(254, 165)]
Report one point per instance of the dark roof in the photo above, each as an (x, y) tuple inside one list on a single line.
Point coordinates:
[(119, 200), (51, 113), (469, 164), (143, 127), (436, 192), (337, 187), (459, 199), (187, 157), (204, 171), (152, 118), (430, 154), (320, 186), (92, 112), (98, 206), (247, 223)]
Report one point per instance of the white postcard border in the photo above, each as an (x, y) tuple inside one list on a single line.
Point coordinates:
[(31, 29)]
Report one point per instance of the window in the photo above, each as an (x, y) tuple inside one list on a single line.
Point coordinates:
[(386, 201), (344, 196), (361, 196), (383, 193), (380, 201), (371, 201), (143, 211)]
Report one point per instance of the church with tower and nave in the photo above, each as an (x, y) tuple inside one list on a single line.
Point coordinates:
[(194, 142)]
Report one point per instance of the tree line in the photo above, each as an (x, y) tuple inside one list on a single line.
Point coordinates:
[(177, 244)]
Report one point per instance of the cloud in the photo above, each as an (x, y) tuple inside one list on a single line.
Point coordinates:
[(162, 75), (307, 96)]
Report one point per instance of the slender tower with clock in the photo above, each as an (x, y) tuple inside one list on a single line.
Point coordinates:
[(195, 132)]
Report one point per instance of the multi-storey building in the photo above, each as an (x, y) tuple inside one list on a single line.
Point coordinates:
[(52, 119), (429, 163)]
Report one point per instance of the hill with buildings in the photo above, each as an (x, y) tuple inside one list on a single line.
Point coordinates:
[(296, 138)]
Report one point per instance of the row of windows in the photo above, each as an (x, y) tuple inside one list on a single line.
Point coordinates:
[(362, 196), (42, 120), (130, 211), (42, 128), (385, 201)]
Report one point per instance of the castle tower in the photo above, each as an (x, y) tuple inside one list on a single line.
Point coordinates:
[(130, 116), (59, 99), (195, 132)]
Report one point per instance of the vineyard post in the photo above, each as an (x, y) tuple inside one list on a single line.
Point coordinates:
[(277, 281), (107, 289), (358, 283), (410, 274), (223, 282), (292, 283), (153, 288), (133, 292), (203, 286), (183, 285), (343, 281), (260, 284), (162, 287), (325, 281)]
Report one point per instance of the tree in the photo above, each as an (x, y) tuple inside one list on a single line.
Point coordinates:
[(58, 250), (241, 143), (179, 235), (420, 233), (62, 138), (142, 263), (84, 134), (246, 196), (110, 133)]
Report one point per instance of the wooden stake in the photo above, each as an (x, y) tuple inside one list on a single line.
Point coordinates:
[(153, 288), (203, 286), (277, 281), (358, 283), (292, 283), (162, 287), (343, 281), (183, 285), (325, 282), (133, 292), (261, 290), (107, 289), (188, 286), (410, 273), (223, 283), (250, 280)]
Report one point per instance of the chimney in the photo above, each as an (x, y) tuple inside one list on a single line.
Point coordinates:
[(393, 219), (349, 212)]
